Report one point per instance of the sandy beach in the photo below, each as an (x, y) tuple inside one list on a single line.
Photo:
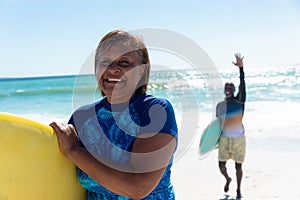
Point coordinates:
[(269, 174)]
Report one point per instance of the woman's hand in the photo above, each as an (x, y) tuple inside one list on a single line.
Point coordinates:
[(67, 137), (239, 60)]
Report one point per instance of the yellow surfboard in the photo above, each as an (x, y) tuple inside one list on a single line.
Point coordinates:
[(31, 165)]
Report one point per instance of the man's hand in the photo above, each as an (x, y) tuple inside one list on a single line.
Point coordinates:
[(239, 60)]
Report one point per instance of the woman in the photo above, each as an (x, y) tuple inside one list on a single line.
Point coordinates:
[(122, 145)]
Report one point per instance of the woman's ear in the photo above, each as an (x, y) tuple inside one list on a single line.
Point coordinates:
[(142, 69)]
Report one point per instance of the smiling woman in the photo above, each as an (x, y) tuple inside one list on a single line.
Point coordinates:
[(120, 57), (123, 145)]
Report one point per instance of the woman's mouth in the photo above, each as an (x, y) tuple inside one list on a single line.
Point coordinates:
[(112, 80), (114, 83)]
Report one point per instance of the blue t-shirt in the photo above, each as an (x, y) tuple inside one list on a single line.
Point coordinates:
[(109, 131)]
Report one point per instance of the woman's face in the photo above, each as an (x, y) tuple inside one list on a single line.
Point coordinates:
[(118, 71)]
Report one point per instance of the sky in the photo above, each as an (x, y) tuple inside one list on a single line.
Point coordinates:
[(55, 37)]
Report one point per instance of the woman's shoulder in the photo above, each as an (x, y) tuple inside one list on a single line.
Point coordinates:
[(151, 99), (81, 114), (91, 107)]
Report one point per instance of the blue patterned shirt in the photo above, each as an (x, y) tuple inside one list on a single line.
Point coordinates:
[(109, 131)]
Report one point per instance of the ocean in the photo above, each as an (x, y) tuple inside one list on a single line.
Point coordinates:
[(271, 109)]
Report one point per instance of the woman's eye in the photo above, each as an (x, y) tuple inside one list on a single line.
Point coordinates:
[(105, 63), (124, 63)]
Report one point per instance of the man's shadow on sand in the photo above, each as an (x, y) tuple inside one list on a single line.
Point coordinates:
[(227, 197)]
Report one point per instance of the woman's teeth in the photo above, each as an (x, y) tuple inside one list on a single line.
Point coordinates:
[(114, 80)]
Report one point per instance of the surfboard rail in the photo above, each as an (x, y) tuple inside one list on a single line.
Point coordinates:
[(8, 117), (210, 138)]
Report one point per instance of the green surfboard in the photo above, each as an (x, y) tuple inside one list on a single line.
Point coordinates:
[(210, 138)]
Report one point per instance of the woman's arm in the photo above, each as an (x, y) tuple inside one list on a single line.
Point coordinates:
[(149, 160)]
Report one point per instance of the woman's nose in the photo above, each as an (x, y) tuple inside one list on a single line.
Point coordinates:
[(114, 67)]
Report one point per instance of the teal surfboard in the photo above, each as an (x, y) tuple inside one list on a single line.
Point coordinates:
[(210, 138)]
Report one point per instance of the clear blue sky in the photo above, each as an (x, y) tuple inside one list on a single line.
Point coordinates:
[(54, 37)]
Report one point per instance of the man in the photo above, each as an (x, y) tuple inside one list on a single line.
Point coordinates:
[(232, 143)]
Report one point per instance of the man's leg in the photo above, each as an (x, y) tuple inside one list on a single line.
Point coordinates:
[(223, 169), (239, 175)]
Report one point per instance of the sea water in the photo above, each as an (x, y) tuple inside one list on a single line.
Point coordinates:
[(271, 109)]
